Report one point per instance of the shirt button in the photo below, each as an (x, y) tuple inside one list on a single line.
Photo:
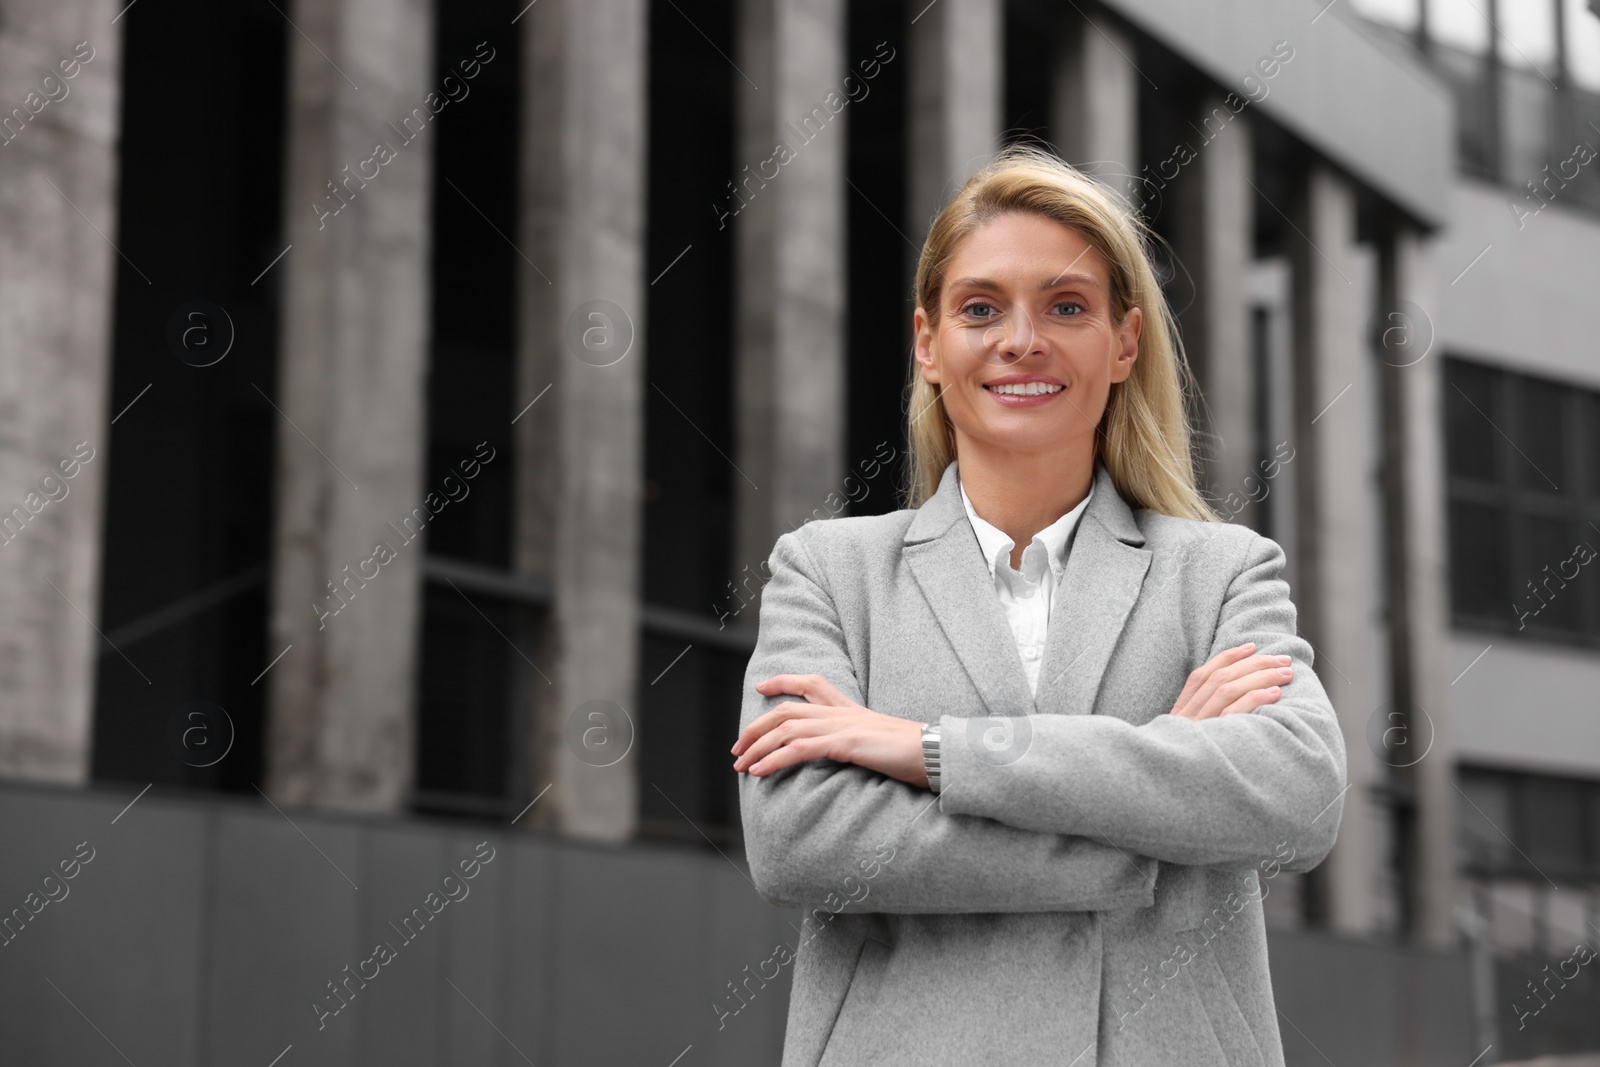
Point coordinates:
[(1030, 653)]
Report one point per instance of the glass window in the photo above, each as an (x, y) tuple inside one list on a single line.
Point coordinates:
[(1479, 557), (1471, 412), (1583, 45), (1589, 422), (1592, 832), (1527, 34), (1550, 585), (1540, 435), (1523, 463), (1459, 24), (1485, 819), (1398, 13), (1551, 824)]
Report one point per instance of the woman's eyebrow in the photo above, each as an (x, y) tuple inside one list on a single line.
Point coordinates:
[(1086, 280)]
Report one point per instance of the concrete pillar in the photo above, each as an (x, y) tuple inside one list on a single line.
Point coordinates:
[(1213, 237), (1094, 105), (1412, 369), (579, 461), (351, 433), (956, 101), (57, 158), (789, 266), (1333, 510)]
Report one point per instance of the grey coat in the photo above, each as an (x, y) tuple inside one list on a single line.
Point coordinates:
[(1087, 887)]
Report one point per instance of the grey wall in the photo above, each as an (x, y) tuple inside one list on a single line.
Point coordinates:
[(202, 930)]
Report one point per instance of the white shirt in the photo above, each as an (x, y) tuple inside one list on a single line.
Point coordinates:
[(1026, 595)]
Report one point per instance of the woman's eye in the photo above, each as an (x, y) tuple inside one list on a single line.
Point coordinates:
[(1071, 304), (973, 309)]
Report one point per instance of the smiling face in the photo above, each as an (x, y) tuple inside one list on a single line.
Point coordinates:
[(1027, 345)]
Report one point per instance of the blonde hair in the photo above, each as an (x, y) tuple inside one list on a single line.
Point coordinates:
[(1143, 436)]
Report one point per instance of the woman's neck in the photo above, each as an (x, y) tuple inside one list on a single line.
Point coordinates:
[(1021, 493)]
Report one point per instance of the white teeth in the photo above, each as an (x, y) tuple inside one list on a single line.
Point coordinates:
[(1026, 389)]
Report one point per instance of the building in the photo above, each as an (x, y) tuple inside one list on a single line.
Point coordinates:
[(500, 342)]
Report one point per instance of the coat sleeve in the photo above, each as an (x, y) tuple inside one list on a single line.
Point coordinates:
[(1229, 790), (815, 829)]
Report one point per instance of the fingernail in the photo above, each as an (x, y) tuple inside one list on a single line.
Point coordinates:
[(1285, 659)]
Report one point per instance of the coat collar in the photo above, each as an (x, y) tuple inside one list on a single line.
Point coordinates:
[(1106, 565)]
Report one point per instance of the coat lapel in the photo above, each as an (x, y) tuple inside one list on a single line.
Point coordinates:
[(944, 555), (1105, 569), (1106, 565)]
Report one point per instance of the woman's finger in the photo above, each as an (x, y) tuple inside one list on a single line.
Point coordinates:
[(780, 735), (796, 751), (1227, 694), (1200, 674), (1256, 698), (1232, 672), (783, 713), (814, 689)]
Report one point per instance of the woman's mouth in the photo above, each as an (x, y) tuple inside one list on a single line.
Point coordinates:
[(1024, 394)]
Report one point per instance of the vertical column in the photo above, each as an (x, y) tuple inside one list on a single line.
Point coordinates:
[(579, 459), (59, 102), (790, 270), (1094, 106), (1213, 236), (1419, 636), (351, 505), (1332, 513), (955, 102)]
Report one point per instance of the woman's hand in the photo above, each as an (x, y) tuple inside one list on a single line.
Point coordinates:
[(828, 726), (1233, 682)]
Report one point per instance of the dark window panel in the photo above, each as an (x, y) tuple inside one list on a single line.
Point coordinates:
[(1550, 824), (469, 678), (1523, 455), (1479, 563), (464, 682), (1484, 816), (1589, 423), (1592, 832), (1472, 410), (1544, 559), (689, 316), (1539, 430), (188, 494), (689, 716)]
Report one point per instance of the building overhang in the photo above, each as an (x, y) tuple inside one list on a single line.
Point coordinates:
[(1369, 108)]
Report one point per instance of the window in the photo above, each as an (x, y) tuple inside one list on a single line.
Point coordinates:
[(1523, 461), (1459, 24), (1528, 826), (1526, 85), (1399, 13), (1583, 44)]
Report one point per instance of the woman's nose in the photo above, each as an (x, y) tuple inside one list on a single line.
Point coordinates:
[(1015, 337)]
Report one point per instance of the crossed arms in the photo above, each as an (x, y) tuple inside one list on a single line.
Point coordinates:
[(1082, 820)]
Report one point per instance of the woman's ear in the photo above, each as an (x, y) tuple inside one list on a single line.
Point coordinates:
[(1128, 334), (923, 347)]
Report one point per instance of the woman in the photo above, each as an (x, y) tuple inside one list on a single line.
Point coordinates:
[(1032, 797)]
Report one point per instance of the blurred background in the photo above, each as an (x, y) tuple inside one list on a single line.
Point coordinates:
[(399, 401)]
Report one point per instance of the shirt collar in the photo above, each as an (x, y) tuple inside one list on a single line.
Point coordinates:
[(997, 546)]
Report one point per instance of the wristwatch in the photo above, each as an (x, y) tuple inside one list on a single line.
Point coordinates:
[(930, 754)]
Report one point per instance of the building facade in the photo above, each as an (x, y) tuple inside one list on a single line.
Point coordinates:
[(499, 342)]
